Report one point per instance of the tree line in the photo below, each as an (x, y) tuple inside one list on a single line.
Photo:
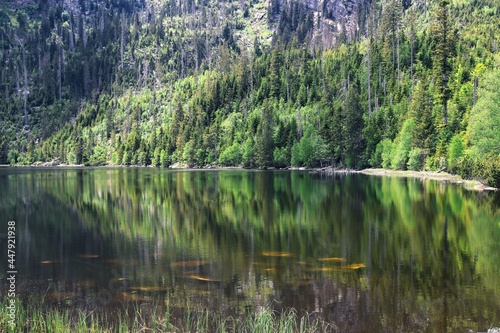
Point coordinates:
[(413, 90)]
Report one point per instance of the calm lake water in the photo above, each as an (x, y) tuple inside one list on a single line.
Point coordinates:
[(369, 254)]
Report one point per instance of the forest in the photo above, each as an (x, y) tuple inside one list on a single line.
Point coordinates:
[(393, 84)]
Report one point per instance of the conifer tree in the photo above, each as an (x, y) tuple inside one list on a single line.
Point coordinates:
[(264, 142), (351, 130), (441, 30)]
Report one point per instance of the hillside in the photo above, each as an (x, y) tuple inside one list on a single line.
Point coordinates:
[(402, 85)]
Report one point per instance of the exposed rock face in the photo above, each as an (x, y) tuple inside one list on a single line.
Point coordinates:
[(337, 19), (334, 20)]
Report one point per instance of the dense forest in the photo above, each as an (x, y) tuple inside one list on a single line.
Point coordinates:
[(351, 84)]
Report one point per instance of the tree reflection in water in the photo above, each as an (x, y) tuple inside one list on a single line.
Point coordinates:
[(368, 254)]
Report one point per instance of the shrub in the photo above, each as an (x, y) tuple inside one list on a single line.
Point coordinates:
[(465, 167), (376, 158), (306, 149), (402, 145), (415, 160), (163, 158), (486, 169), (231, 156), (430, 163), (13, 156), (280, 159), (455, 152), (156, 157), (490, 170), (295, 155), (248, 153), (386, 153)]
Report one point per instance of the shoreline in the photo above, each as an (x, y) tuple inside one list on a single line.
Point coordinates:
[(443, 177)]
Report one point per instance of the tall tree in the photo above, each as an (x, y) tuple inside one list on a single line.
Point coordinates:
[(484, 123), (421, 111), (441, 30), (264, 141), (391, 23), (352, 140)]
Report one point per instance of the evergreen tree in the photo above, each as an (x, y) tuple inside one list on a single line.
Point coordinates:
[(442, 32), (402, 145), (421, 111), (352, 119), (264, 142)]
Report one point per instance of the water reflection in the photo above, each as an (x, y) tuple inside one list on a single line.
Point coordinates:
[(368, 254)]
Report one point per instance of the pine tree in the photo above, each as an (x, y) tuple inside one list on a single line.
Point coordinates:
[(441, 30), (421, 111), (353, 144), (391, 24), (264, 142)]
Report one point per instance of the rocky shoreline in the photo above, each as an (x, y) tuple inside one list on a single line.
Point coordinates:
[(443, 177)]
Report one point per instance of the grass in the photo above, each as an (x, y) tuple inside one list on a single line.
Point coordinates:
[(34, 317)]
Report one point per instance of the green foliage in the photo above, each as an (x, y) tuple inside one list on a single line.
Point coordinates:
[(415, 159), (455, 152), (13, 156), (353, 143), (231, 156), (296, 161), (159, 91), (248, 159), (376, 158), (490, 169), (321, 153), (486, 169), (386, 153), (421, 111), (163, 158), (484, 123), (188, 153), (280, 157), (402, 145), (264, 141), (465, 167), (306, 149), (444, 45), (99, 155), (156, 161)]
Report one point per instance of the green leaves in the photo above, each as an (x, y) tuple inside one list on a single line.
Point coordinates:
[(484, 123), (455, 152), (402, 145), (171, 88)]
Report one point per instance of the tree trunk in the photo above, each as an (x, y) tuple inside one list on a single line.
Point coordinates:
[(122, 38), (411, 65), (368, 65), (59, 73), (25, 90), (399, 62), (475, 90)]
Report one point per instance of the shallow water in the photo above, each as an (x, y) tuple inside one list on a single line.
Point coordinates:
[(369, 254)]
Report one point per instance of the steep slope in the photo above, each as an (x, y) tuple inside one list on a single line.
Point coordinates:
[(56, 54), (252, 83)]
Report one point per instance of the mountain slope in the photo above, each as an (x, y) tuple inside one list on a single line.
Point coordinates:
[(349, 83)]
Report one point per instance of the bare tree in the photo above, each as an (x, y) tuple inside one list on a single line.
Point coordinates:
[(123, 36)]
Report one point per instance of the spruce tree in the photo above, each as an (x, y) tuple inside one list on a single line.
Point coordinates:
[(441, 30), (353, 144)]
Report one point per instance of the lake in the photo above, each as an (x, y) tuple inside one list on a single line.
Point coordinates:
[(366, 253)]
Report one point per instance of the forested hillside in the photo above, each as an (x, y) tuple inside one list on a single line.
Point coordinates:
[(393, 84)]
